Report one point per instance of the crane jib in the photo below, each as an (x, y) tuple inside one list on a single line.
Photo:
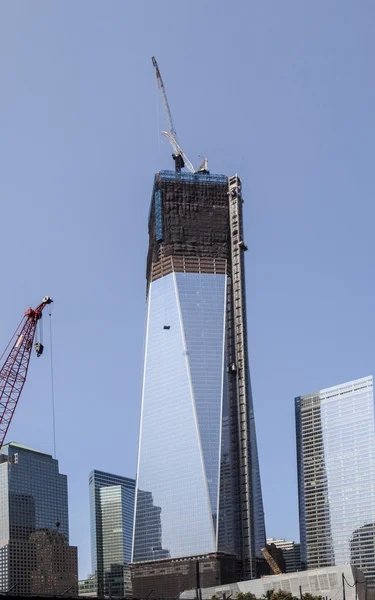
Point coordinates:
[(179, 156)]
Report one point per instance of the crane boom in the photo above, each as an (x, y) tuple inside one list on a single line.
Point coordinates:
[(179, 156), (271, 561), (14, 369), (163, 94)]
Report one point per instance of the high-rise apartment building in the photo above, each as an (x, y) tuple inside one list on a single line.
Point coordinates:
[(112, 516), (35, 556), (291, 553), (198, 475), (336, 476)]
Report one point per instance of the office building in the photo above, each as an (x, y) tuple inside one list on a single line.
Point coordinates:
[(291, 553), (112, 515), (336, 476), (35, 556), (198, 461)]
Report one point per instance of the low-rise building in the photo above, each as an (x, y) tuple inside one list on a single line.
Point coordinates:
[(326, 582), (88, 587)]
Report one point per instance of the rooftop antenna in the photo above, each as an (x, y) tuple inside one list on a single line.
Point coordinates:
[(179, 157)]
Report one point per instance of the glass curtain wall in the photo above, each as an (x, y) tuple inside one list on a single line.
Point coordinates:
[(181, 424), (336, 461)]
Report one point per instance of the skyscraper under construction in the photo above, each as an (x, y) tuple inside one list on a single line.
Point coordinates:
[(198, 484)]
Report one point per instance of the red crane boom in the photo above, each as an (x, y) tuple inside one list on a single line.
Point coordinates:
[(14, 370)]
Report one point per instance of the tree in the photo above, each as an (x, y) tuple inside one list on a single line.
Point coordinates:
[(281, 595)]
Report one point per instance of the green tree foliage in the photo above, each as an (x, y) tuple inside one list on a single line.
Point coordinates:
[(281, 595)]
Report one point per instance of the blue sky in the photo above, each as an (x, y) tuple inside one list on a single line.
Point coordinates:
[(282, 93)]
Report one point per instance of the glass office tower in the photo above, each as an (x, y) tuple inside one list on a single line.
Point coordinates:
[(35, 556), (111, 513), (336, 476), (198, 462)]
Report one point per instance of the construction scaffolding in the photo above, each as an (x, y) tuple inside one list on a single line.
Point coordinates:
[(188, 224)]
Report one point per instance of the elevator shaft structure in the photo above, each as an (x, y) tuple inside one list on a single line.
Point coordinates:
[(242, 372)]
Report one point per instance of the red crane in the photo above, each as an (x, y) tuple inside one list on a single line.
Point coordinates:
[(14, 369)]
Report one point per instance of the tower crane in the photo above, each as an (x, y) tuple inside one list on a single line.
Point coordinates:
[(14, 369), (179, 157)]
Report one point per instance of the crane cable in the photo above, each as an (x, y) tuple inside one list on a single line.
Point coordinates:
[(53, 416), (52, 386)]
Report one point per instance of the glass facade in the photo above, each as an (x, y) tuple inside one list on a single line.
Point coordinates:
[(33, 516), (111, 512), (258, 512), (336, 474), (182, 414), (190, 493)]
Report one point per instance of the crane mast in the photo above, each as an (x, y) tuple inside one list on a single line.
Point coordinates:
[(180, 158), (14, 369)]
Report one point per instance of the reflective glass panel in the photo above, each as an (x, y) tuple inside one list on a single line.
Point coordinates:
[(202, 302), (336, 461), (173, 514)]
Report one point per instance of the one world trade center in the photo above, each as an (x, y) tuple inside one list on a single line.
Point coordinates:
[(198, 483)]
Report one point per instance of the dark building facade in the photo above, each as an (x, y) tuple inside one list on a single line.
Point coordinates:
[(35, 556), (167, 578), (198, 473)]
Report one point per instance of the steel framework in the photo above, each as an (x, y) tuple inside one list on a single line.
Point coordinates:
[(14, 369), (179, 156)]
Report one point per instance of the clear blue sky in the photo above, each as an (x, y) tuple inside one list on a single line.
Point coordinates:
[(282, 93)]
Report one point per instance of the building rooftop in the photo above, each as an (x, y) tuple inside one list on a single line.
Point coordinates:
[(22, 447)]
